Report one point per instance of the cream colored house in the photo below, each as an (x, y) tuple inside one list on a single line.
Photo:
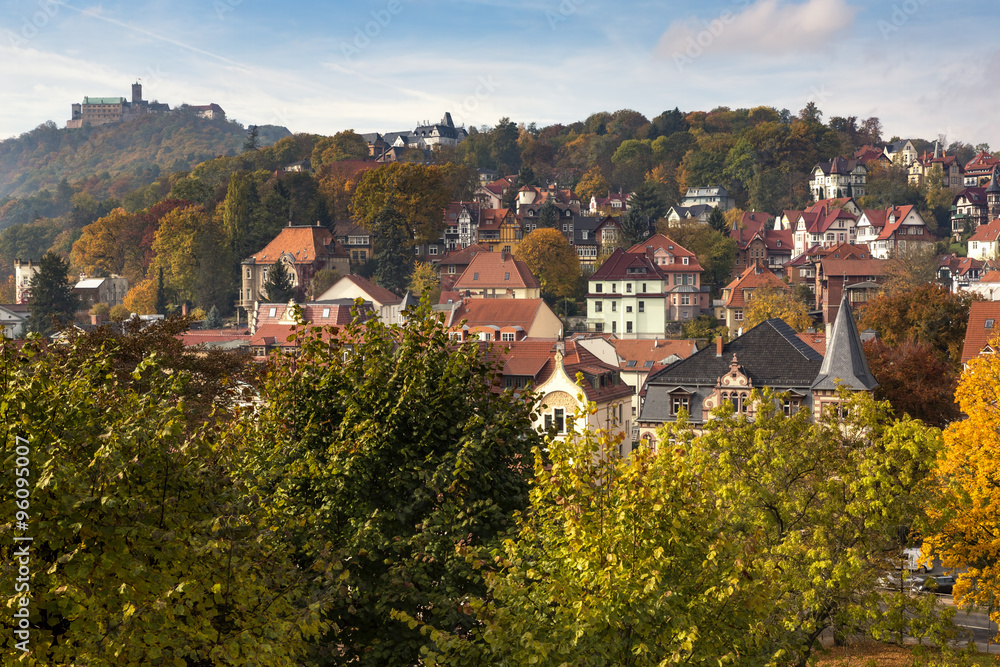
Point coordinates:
[(985, 243)]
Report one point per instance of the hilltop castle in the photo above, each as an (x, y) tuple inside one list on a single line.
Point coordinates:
[(108, 110)]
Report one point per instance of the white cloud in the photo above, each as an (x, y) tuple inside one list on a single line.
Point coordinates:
[(770, 27)]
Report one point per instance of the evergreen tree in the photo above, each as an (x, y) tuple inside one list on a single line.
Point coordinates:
[(717, 219), (634, 228), (161, 294), (393, 251), (278, 287), (548, 215), (252, 142), (646, 200), (527, 176), (213, 320), (53, 303), (237, 212)]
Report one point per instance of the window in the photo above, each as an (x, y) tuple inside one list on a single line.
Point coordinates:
[(326, 312), (475, 276), (989, 324), (614, 287), (599, 327), (506, 249), (433, 250), (249, 273), (599, 287), (273, 312), (507, 337), (685, 300), (614, 327), (264, 273), (738, 314), (451, 268), (684, 260), (790, 407), (628, 327), (628, 309), (679, 402), (644, 288), (583, 235), (598, 306), (614, 306), (631, 363), (556, 420), (628, 287), (642, 306), (506, 276), (647, 364)]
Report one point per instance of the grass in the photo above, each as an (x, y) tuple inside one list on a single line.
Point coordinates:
[(873, 654)]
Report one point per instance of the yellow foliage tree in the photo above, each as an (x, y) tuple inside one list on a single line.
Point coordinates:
[(967, 508), (141, 299), (768, 302), (425, 280), (592, 184), (733, 216), (552, 260), (176, 246)]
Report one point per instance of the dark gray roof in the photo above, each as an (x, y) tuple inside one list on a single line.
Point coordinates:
[(993, 186), (845, 363), (897, 146)]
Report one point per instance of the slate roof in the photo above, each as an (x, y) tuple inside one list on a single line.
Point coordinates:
[(977, 334), (771, 355), (618, 264), (975, 196), (838, 165), (845, 363)]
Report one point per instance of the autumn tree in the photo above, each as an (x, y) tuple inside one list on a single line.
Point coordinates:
[(716, 251), (344, 145), (822, 502), (387, 455), (176, 248), (418, 190), (141, 297), (53, 302), (967, 506), (916, 380), (768, 302), (117, 474), (592, 184), (617, 561), (552, 260), (926, 313), (426, 281)]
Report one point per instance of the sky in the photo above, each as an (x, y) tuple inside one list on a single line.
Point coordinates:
[(922, 66)]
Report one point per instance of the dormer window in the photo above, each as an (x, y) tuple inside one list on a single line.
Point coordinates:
[(685, 260)]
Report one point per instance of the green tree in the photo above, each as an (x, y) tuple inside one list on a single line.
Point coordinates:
[(278, 287), (504, 150), (716, 251), (617, 561), (821, 502), (633, 228), (344, 145), (117, 474), (252, 141), (53, 302), (393, 257), (213, 320), (388, 456), (417, 189), (426, 282), (648, 202), (161, 293), (717, 220), (552, 260), (323, 280), (237, 213), (548, 216)]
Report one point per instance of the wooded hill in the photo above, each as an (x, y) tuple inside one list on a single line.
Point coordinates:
[(111, 160)]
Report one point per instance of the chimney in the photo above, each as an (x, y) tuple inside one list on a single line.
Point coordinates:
[(289, 223), (184, 309), (718, 346)]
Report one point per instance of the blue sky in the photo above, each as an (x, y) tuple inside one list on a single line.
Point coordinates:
[(925, 67)]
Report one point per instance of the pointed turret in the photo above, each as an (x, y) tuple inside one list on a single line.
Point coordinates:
[(845, 361)]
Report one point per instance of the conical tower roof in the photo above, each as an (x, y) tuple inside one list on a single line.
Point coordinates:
[(845, 361), (993, 187)]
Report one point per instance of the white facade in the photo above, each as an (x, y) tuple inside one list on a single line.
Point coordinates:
[(635, 308)]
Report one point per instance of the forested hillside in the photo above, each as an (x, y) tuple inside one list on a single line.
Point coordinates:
[(110, 160)]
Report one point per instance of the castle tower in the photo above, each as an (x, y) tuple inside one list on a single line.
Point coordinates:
[(136, 93)]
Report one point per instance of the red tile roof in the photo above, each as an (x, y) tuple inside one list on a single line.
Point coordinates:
[(665, 243), (527, 356), (200, 336), (854, 267), (816, 341), (496, 270), (990, 277), (497, 312), (977, 334), (640, 351), (305, 244), (987, 233), (620, 263), (755, 276)]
